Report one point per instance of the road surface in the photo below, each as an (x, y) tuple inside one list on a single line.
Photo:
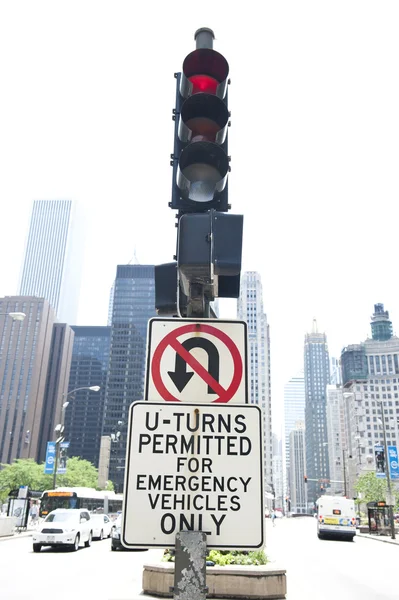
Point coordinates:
[(316, 569), (332, 570)]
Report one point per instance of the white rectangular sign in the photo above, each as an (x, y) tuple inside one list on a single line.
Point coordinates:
[(194, 467), (197, 360)]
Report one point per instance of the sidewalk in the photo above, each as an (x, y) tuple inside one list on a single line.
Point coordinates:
[(16, 536), (379, 538)]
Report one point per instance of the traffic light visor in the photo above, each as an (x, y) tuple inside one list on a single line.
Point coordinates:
[(202, 171), (204, 70), (203, 118)]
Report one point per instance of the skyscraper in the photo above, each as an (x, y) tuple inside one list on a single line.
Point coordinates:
[(250, 309), (56, 384), (53, 257), (84, 414), (317, 376), (336, 437), (297, 472), (294, 410), (29, 355), (133, 306), (278, 475), (370, 374)]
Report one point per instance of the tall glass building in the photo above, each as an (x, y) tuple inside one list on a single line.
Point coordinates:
[(133, 306), (85, 412), (53, 257), (317, 376)]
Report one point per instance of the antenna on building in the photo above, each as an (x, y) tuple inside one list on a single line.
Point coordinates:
[(134, 258), (314, 328)]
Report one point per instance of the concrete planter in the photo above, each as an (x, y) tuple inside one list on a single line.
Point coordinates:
[(233, 581), (7, 525)]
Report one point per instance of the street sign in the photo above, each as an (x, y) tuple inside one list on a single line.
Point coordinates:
[(50, 458), (197, 360), (393, 462), (194, 468)]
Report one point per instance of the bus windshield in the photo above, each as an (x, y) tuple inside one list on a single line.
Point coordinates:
[(51, 502)]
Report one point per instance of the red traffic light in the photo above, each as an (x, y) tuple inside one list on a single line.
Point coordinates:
[(200, 159), (204, 70)]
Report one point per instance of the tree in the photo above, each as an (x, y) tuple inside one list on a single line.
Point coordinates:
[(79, 473), (372, 488), (23, 471)]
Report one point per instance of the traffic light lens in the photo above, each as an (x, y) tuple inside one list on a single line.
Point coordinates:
[(204, 70), (203, 83), (203, 117), (203, 179), (203, 129), (202, 172)]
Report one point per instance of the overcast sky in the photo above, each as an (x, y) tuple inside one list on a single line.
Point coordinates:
[(87, 92)]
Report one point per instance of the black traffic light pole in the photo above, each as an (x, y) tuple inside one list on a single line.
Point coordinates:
[(209, 241)]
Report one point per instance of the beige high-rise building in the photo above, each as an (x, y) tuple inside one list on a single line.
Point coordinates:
[(29, 357), (250, 309)]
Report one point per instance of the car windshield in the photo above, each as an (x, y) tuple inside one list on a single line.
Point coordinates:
[(64, 516)]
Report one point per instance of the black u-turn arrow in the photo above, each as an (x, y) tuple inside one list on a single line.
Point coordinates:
[(180, 377)]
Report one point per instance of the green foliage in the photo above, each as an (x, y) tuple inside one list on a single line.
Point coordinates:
[(79, 473), (223, 558), (25, 471), (109, 487), (371, 487)]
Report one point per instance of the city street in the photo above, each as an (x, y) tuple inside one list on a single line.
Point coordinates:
[(93, 573), (332, 570)]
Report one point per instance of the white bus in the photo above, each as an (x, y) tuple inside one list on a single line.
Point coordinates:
[(81, 497), (336, 517)]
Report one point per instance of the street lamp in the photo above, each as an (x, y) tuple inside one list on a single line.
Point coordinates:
[(387, 470), (16, 316), (59, 429)]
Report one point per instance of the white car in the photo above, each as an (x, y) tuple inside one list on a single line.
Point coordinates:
[(101, 526), (62, 527)]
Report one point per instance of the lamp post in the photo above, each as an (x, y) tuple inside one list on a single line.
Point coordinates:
[(59, 429), (387, 471)]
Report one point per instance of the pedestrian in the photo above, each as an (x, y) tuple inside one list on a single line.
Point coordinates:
[(273, 518), (34, 513)]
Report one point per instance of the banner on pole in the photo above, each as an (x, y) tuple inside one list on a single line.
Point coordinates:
[(62, 461), (50, 458), (379, 461)]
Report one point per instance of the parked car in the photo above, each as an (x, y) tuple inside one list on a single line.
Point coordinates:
[(101, 525), (69, 528)]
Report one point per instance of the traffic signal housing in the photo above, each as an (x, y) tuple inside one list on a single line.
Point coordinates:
[(200, 156), (305, 478)]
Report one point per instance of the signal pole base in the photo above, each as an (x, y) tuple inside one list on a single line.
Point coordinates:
[(190, 566)]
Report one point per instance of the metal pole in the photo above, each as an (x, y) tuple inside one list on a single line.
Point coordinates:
[(344, 472), (57, 446), (204, 38), (390, 507)]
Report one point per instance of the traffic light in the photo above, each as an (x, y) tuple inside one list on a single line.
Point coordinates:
[(200, 160), (305, 478)]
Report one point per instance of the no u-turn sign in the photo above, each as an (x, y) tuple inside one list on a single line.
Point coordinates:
[(197, 360)]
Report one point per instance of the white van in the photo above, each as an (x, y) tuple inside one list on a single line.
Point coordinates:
[(336, 517)]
